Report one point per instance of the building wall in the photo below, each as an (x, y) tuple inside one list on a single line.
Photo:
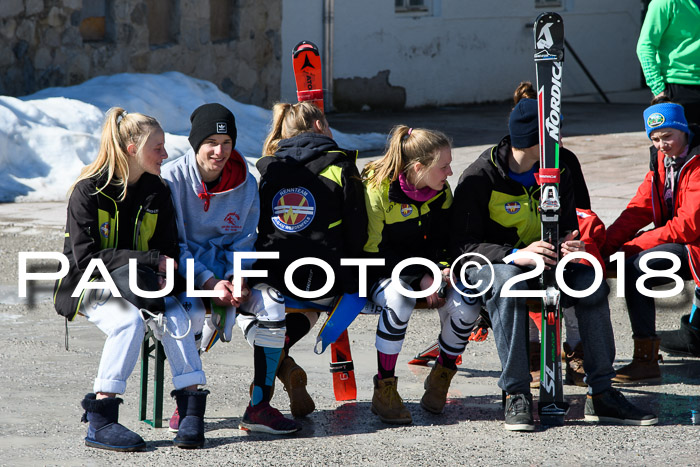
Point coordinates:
[(234, 43), (462, 51)]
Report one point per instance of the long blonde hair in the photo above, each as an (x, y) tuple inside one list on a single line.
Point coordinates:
[(119, 131), (406, 146), (289, 120)]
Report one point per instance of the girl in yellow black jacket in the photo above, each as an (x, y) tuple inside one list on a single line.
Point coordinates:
[(408, 203)]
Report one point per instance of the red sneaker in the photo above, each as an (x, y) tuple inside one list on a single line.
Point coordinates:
[(174, 423), (267, 419)]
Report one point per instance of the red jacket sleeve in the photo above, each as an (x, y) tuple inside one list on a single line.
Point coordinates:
[(637, 215), (592, 232), (683, 227)]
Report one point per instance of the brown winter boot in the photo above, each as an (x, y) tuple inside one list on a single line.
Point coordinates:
[(573, 359), (645, 363), (436, 385), (293, 377), (535, 354), (387, 403)]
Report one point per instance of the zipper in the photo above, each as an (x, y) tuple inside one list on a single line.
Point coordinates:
[(675, 194), (137, 228)]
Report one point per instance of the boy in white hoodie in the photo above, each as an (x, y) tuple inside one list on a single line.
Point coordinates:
[(217, 205)]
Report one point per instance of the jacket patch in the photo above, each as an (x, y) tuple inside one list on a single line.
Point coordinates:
[(512, 207), (293, 209), (232, 220), (406, 210), (104, 230)]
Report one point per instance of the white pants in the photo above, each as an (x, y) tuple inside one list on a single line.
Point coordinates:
[(124, 326), (457, 318)]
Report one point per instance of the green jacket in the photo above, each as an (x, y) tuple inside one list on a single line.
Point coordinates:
[(669, 44), (98, 226)]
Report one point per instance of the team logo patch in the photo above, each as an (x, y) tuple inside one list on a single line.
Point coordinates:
[(406, 210), (232, 224), (104, 230), (512, 207), (655, 120), (293, 209), (221, 128)]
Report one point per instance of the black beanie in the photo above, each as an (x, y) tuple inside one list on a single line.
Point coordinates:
[(523, 124), (211, 119)]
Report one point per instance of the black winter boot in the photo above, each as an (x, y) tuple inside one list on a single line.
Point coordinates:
[(104, 431), (191, 406), (683, 341)]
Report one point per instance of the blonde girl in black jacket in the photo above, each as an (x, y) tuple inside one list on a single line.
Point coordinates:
[(120, 209)]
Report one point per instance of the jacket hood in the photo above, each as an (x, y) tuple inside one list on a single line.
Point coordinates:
[(305, 146), (313, 150)]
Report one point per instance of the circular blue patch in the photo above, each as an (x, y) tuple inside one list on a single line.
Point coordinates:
[(512, 207), (293, 209), (104, 230)]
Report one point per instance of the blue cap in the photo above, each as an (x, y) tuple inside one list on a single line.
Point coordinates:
[(666, 115), (523, 125)]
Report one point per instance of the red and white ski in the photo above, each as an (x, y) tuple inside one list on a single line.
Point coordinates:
[(309, 80), (342, 369), (308, 73)]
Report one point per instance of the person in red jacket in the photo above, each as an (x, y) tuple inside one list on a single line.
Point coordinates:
[(669, 198)]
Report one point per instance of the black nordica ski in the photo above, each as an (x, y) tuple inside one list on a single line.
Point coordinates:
[(549, 58)]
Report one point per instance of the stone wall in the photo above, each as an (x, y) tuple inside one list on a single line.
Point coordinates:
[(233, 43)]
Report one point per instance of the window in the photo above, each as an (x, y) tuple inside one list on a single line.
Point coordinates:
[(93, 24), (163, 21), (220, 15), (403, 6), (547, 3)]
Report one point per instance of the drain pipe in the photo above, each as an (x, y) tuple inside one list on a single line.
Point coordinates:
[(328, 20)]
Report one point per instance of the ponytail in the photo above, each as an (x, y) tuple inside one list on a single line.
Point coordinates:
[(289, 120), (524, 91)]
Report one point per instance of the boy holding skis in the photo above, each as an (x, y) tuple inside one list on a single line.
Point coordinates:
[(495, 213)]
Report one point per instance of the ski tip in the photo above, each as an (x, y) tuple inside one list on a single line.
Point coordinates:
[(344, 386), (307, 46), (420, 361)]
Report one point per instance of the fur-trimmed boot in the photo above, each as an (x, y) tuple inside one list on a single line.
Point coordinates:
[(104, 429), (645, 363), (191, 406)]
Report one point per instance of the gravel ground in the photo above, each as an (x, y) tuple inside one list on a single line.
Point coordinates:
[(43, 384)]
